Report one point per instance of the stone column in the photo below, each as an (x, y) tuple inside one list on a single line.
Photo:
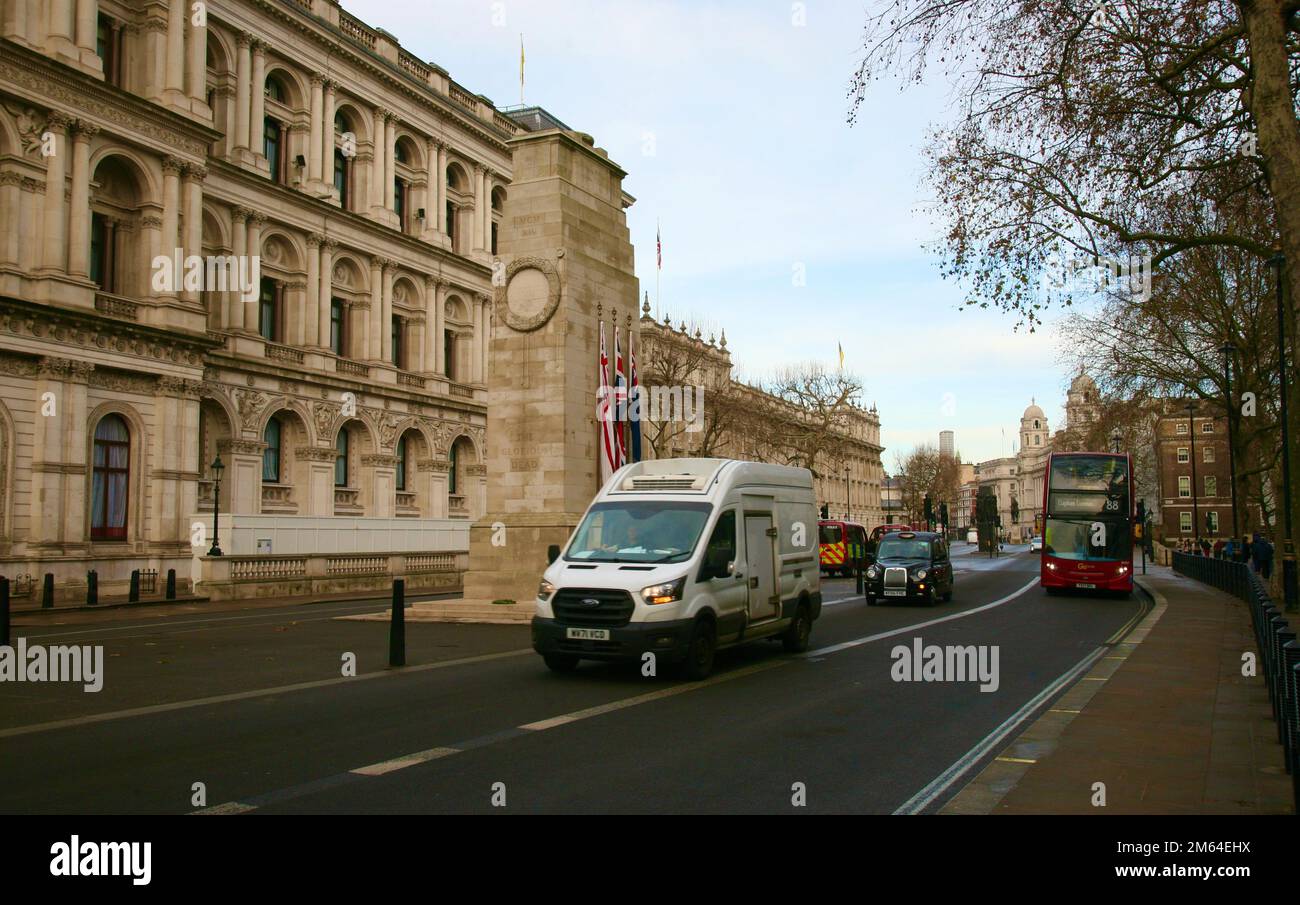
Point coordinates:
[(327, 137), (176, 48), (60, 29), (476, 339), (255, 222), (257, 99), (295, 314), (315, 143), (10, 215), (312, 312), (390, 161), (235, 304), (442, 190), (54, 255), (386, 314), (431, 320), (487, 210), (433, 478), (197, 47), (49, 449), (440, 328), (87, 20), (359, 321), (325, 293), (477, 231), (194, 176), (243, 91), (375, 345), (171, 215), (378, 161), (79, 219)]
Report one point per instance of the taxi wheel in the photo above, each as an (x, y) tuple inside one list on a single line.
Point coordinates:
[(931, 598), (871, 601)]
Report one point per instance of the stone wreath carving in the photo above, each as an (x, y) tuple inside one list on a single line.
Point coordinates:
[(531, 293)]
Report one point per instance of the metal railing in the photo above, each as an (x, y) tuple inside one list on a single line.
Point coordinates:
[(1279, 652)]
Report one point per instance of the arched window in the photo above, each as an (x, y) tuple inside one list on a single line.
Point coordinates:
[(401, 463), (341, 459), (451, 471), (111, 479), (271, 455)]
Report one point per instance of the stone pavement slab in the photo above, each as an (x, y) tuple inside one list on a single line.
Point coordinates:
[(1166, 722)]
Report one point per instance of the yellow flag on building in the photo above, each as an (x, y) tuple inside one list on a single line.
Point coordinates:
[(521, 67), (841, 348)]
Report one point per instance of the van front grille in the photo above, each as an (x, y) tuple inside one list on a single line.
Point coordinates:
[(611, 608)]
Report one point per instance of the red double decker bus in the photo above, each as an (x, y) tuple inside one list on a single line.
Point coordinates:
[(1088, 525)]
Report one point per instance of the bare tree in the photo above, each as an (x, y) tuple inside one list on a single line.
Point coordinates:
[(1083, 120), (925, 472), (821, 403)]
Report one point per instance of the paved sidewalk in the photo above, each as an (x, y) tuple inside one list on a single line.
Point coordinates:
[(1165, 720)]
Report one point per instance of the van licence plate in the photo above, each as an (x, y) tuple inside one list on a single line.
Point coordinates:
[(1091, 586), (898, 593), (587, 634)]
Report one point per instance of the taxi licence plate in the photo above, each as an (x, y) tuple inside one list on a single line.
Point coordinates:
[(895, 593)]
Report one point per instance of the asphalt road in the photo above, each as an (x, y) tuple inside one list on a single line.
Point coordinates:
[(253, 706)]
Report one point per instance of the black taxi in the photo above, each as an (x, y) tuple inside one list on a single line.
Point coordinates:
[(910, 565)]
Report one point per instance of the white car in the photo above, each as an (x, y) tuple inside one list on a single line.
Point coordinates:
[(1036, 544)]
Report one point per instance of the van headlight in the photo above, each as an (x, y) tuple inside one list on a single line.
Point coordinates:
[(664, 593), (545, 590)]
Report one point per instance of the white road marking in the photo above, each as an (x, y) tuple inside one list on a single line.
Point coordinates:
[(247, 695), (941, 783), (857, 642), (401, 763)]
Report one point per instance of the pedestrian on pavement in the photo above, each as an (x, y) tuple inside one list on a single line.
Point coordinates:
[(1230, 550), (1205, 548), (1218, 549), (1263, 554)]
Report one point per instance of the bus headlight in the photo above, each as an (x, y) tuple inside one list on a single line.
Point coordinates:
[(664, 593), (545, 590)]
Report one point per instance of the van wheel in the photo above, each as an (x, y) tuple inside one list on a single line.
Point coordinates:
[(699, 653), (795, 638), (561, 662)]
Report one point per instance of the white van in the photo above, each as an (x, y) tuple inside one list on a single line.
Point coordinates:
[(681, 557)]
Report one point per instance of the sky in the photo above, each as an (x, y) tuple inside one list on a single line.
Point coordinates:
[(781, 224)]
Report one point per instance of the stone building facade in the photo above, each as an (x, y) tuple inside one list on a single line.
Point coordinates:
[(343, 389), (742, 421)]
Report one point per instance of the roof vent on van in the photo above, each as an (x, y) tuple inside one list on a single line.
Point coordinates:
[(666, 482)]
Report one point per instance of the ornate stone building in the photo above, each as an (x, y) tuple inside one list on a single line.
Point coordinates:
[(738, 420), (342, 388)]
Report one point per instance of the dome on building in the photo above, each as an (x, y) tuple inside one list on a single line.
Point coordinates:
[(1081, 383), (1034, 411)]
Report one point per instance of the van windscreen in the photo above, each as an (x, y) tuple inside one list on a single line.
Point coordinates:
[(641, 532)]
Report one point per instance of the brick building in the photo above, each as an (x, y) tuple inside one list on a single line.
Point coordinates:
[(1192, 470)]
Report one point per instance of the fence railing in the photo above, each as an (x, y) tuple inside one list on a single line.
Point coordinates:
[(1279, 652)]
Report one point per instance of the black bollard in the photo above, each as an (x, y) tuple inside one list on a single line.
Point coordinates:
[(133, 595), (171, 584), (397, 628), (858, 570), (47, 592), (4, 610), (92, 588)]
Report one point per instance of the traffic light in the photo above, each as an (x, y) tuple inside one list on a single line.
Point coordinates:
[(929, 510), (826, 510), (943, 513), (1142, 511)]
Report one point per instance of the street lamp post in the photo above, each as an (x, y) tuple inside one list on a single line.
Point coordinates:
[(217, 467), (1116, 438), (1288, 548), (1227, 349), (1196, 510), (848, 508)]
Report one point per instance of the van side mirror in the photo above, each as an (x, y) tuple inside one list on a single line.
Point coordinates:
[(552, 553)]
